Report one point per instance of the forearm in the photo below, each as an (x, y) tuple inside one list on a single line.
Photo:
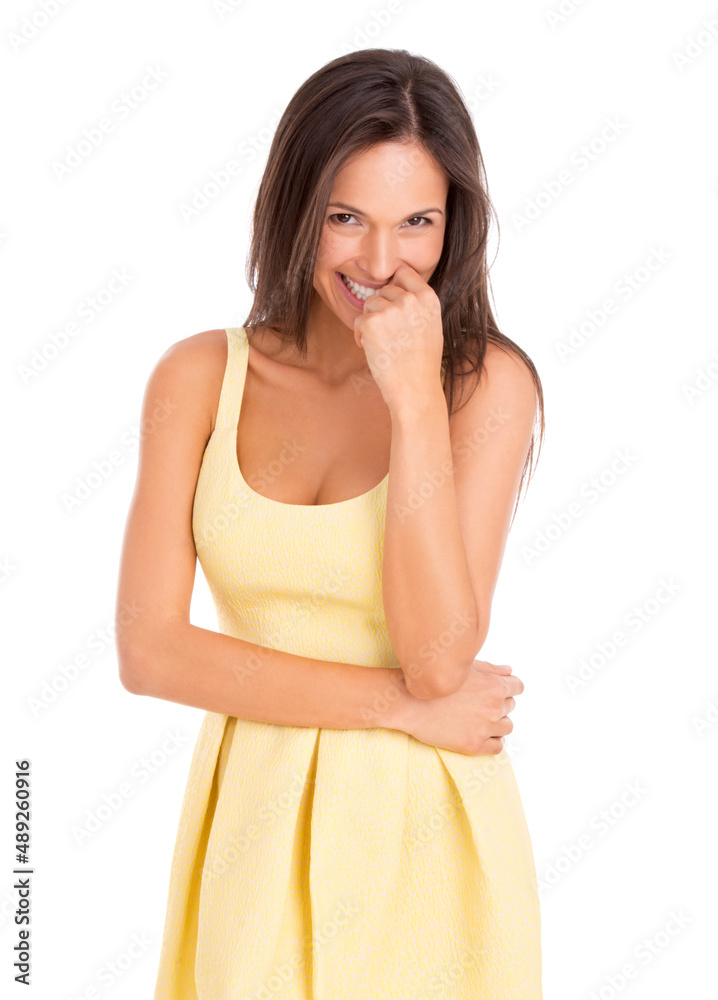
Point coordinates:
[(428, 599), (220, 673)]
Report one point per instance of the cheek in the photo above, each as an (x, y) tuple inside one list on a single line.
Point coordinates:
[(335, 249), (428, 254), (325, 263), (434, 250), (327, 250)]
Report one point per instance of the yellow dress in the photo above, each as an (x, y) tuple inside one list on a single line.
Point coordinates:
[(327, 864)]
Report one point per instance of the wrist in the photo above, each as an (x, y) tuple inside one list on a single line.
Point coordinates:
[(407, 411), (392, 706)]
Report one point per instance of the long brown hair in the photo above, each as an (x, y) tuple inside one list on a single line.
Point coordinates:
[(352, 103)]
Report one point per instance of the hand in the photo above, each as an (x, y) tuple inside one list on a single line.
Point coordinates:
[(402, 336), (472, 720)]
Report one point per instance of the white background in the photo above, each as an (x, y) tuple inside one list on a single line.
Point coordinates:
[(540, 86)]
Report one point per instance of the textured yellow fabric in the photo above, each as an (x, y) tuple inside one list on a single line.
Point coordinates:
[(324, 864)]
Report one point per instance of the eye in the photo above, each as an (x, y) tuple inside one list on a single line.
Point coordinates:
[(345, 215), (423, 217)]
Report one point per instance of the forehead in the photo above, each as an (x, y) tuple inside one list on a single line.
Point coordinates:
[(392, 169)]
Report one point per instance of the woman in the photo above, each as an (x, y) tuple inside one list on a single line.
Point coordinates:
[(351, 827)]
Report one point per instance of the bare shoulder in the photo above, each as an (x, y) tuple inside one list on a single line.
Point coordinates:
[(191, 371), (207, 350), (505, 379), (505, 367)]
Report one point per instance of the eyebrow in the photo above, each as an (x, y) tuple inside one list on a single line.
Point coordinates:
[(355, 211)]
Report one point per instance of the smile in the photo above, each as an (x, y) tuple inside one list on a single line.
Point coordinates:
[(358, 294)]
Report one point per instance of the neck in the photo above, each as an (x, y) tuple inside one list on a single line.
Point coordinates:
[(332, 350)]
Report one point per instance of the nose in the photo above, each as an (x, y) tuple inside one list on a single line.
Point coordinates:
[(378, 256)]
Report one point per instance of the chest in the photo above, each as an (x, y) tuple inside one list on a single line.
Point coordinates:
[(301, 442)]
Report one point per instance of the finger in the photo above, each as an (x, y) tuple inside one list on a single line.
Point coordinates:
[(493, 668), (492, 746), (515, 685), (407, 277), (389, 293), (390, 290)]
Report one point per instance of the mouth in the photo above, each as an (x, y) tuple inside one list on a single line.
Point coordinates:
[(356, 294)]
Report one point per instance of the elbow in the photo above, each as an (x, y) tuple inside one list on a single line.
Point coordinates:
[(133, 677), (426, 684), (133, 662), (445, 678), (143, 655)]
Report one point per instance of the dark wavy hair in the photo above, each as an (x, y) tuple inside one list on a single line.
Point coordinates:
[(351, 104)]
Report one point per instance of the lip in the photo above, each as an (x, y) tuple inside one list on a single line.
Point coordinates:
[(357, 303), (366, 284)]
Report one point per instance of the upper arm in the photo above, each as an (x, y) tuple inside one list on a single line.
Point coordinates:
[(490, 439), (158, 560)]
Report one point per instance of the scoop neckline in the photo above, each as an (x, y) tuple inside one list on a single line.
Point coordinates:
[(240, 474)]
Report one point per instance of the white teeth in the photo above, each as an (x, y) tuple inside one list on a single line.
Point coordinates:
[(360, 291)]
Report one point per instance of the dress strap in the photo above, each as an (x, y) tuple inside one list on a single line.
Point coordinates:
[(230, 399)]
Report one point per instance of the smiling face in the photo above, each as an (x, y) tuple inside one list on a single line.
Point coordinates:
[(387, 207)]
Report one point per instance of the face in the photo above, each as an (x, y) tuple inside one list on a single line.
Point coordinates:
[(387, 207)]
